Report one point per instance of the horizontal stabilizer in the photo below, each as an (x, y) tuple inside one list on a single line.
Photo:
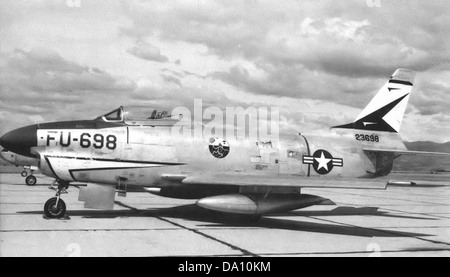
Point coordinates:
[(406, 152), (417, 183)]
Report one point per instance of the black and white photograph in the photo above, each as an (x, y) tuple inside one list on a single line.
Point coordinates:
[(224, 129)]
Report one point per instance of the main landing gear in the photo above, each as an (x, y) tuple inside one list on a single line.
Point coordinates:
[(55, 206), (30, 179)]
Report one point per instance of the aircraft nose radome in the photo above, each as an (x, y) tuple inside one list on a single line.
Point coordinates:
[(20, 140)]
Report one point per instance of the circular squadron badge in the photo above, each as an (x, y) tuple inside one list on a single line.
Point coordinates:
[(219, 147)]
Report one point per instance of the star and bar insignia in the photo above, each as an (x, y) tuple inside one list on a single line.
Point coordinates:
[(322, 161)]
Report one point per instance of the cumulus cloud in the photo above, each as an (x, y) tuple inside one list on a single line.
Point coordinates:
[(311, 54), (147, 52), (300, 82), (45, 71), (343, 52), (171, 79), (41, 82), (345, 38), (431, 96)]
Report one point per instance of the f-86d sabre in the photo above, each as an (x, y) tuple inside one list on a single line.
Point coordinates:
[(30, 165), (116, 152)]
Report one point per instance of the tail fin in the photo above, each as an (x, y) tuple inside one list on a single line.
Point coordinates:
[(385, 111)]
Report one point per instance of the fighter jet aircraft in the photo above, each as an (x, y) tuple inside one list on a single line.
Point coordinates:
[(118, 153), (30, 165)]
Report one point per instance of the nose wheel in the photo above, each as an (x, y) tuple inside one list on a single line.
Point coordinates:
[(55, 207)]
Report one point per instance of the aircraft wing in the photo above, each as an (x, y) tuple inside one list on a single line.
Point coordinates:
[(406, 152), (278, 181)]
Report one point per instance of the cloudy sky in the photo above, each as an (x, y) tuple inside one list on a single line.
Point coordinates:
[(319, 61)]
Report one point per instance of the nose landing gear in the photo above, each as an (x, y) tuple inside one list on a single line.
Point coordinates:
[(55, 206)]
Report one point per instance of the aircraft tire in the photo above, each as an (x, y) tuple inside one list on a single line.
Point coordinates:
[(30, 180), (24, 173), (54, 212)]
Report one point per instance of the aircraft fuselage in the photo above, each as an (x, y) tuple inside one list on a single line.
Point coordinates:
[(141, 154)]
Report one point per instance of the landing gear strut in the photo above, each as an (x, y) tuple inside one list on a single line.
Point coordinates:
[(55, 206)]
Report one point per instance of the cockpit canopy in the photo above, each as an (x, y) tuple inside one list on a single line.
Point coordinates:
[(136, 115), (114, 116)]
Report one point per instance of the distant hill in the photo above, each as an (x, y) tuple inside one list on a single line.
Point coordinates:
[(424, 163)]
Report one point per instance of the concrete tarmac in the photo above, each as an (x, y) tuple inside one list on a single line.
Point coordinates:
[(399, 221)]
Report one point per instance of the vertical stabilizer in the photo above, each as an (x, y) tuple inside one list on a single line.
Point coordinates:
[(385, 111)]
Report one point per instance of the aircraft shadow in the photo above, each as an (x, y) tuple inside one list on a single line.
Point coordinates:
[(417, 186), (346, 211), (216, 219)]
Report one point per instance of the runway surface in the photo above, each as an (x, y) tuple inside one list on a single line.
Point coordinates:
[(400, 221)]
